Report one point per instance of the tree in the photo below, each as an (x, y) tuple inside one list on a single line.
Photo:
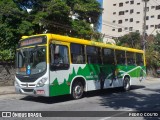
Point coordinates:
[(27, 17), (130, 40), (13, 25), (157, 42), (66, 17)]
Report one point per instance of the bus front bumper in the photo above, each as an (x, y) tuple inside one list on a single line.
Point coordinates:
[(33, 91)]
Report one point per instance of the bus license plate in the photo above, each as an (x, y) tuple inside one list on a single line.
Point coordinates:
[(40, 92)]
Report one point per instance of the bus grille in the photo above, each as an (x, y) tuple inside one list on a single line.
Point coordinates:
[(27, 90)]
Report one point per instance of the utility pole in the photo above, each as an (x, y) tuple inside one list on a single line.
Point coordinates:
[(144, 25)]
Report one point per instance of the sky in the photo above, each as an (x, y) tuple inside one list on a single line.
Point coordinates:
[(100, 19)]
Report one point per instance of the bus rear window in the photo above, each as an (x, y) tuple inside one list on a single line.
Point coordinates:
[(139, 59)]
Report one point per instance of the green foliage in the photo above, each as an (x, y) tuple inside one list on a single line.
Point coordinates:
[(6, 55), (157, 42), (130, 40), (55, 16)]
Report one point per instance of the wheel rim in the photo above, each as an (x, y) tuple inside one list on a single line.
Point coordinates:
[(78, 91), (126, 84)]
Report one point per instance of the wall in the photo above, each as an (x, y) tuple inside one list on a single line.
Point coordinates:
[(7, 73)]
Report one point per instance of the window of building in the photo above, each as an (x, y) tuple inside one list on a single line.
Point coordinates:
[(127, 2), (137, 31), (77, 54), (114, 21), (119, 29), (152, 16), (158, 7), (159, 26), (151, 25), (147, 9), (131, 19), (130, 28), (131, 2), (146, 27), (93, 55), (131, 11), (126, 10), (120, 57), (138, 12), (147, 17), (138, 3), (156, 26), (121, 13), (152, 7), (126, 28), (120, 4), (108, 56), (126, 20), (137, 21), (158, 17), (114, 4), (114, 13), (119, 21), (113, 29)]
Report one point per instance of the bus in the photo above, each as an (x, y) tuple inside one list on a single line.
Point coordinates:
[(52, 65)]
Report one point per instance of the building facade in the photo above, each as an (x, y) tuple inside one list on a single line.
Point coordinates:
[(121, 17)]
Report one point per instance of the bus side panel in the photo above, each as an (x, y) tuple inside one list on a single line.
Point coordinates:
[(136, 73), (60, 80)]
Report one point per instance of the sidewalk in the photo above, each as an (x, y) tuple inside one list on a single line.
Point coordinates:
[(11, 90), (7, 90)]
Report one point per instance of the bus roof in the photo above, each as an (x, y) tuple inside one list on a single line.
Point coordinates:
[(85, 42)]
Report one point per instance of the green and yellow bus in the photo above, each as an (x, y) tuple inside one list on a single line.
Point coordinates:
[(53, 65)]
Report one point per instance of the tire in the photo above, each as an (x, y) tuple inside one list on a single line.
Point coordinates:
[(126, 84), (77, 90)]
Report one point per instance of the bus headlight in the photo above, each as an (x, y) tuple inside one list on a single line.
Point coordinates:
[(41, 82)]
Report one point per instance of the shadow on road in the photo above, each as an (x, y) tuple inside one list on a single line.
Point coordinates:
[(145, 99), (64, 98), (48, 100)]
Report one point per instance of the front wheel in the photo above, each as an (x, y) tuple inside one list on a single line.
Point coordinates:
[(126, 84), (77, 90)]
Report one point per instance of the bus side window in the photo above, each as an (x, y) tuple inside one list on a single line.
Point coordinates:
[(130, 58), (120, 57), (77, 53), (108, 56), (93, 55), (59, 57), (139, 59)]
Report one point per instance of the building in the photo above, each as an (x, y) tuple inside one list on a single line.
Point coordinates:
[(123, 16)]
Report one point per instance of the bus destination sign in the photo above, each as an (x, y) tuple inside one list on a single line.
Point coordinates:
[(32, 41)]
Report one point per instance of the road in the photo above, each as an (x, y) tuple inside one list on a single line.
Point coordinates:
[(145, 97)]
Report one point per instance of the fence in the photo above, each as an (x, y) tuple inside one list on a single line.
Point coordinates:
[(7, 73)]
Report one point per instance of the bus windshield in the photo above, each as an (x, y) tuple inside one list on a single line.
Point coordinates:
[(31, 60)]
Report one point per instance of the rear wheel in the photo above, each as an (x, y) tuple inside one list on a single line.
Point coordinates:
[(126, 84), (77, 90)]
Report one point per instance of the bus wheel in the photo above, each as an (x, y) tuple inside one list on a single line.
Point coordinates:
[(77, 90), (126, 84)]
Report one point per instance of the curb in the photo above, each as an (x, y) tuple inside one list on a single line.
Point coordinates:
[(7, 93)]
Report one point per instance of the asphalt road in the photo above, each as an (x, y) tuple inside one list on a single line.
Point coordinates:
[(145, 97)]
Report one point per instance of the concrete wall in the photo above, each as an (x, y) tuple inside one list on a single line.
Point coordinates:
[(7, 73)]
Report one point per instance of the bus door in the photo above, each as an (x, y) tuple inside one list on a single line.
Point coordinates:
[(108, 66), (59, 68)]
